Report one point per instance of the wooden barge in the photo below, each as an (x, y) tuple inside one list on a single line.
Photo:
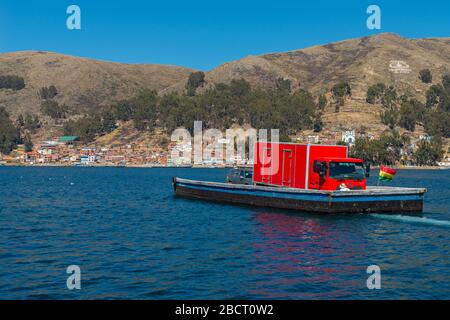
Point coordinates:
[(373, 199), (310, 178)]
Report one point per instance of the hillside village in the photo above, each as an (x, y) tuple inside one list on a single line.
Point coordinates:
[(69, 150)]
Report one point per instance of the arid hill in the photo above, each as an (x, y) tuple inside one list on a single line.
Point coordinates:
[(80, 82), (362, 62), (386, 58)]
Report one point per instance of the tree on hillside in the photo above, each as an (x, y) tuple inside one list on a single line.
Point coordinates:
[(407, 118), (48, 92), (375, 93), (437, 117), (12, 82), (322, 103), (219, 107), (240, 88), (389, 118), (434, 94), (20, 121), (87, 128), (428, 153), (145, 110), (9, 135), (411, 111), (28, 123), (108, 121), (390, 98), (196, 79), (31, 123), (426, 76), (385, 150), (301, 111), (436, 123), (54, 110), (318, 123), (283, 85), (446, 82), (340, 91), (28, 144), (123, 110), (439, 97)]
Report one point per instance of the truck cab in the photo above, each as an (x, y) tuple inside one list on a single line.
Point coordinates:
[(337, 174)]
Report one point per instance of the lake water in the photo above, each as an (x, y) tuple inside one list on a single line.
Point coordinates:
[(133, 239)]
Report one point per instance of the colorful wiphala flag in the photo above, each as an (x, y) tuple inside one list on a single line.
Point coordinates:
[(386, 174)]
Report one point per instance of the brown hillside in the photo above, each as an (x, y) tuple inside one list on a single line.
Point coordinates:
[(81, 82), (386, 58), (362, 62)]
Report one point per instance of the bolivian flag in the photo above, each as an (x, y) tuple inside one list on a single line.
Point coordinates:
[(386, 174)]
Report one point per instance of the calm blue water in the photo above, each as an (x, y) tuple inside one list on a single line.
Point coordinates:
[(133, 239)]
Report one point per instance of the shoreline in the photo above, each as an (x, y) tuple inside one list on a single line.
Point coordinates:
[(190, 167), (422, 168)]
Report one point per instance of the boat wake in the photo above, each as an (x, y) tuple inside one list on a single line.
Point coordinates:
[(412, 219)]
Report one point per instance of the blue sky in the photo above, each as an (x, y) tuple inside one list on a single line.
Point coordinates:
[(204, 34)]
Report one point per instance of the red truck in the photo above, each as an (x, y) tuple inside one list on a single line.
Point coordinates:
[(311, 166)]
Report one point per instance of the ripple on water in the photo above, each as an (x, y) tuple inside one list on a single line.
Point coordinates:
[(133, 239)]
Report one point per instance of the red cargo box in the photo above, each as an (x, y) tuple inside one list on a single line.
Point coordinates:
[(291, 164)]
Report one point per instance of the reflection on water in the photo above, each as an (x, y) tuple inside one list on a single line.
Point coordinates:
[(294, 245), (133, 239)]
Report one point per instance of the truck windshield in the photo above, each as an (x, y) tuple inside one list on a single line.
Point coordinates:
[(347, 170)]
